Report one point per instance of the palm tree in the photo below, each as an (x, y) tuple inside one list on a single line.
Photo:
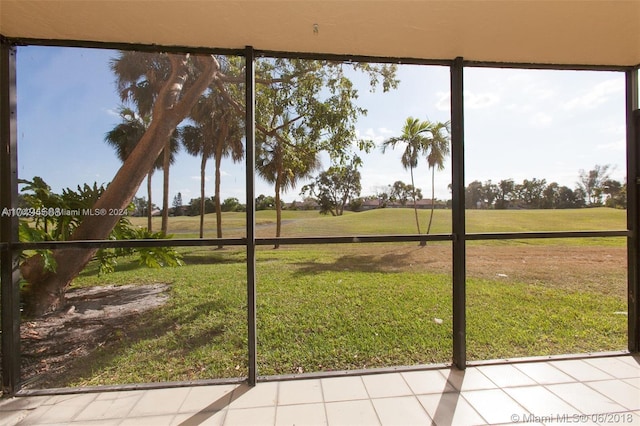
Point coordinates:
[(217, 133), (283, 164), (124, 138), (139, 77), (413, 136), (437, 142)]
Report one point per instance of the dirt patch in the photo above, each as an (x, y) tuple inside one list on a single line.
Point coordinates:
[(574, 268), (91, 318)]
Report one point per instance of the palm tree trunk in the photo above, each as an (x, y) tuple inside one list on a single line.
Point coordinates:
[(149, 204), (278, 211), (433, 197), (415, 205), (218, 161), (222, 136), (166, 161), (47, 288), (203, 165)]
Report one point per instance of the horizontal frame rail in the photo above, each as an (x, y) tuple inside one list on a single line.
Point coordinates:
[(303, 55), (545, 234), (355, 239)]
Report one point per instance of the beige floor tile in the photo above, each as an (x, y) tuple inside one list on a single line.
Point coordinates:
[(261, 395), (60, 409), (630, 359), (540, 402), (159, 402), (506, 375), (386, 385), (633, 382), (209, 398), (109, 408), (469, 379), (343, 389), (402, 410), (11, 418), (299, 392), (617, 390), (585, 399), (544, 373), (105, 422), (251, 416), (165, 420), (495, 406), (74, 400), (450, 409), (22, 403), (423, 382), (212, 418), (108, 396), (35, 415), (351, 413), (301, 414), (615, 367), (580, 370), (633, 360)]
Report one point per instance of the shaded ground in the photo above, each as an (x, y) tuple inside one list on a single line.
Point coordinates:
[(92, 317)]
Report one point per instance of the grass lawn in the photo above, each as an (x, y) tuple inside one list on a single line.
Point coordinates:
[(356, 306)]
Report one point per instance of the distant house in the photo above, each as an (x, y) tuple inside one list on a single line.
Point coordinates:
[(421, 204), (370, 204)]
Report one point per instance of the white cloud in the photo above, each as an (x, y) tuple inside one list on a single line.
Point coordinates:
[(377, 136), (112, 112), (619, 145), (597, 95), (471, 100), (541, 119), (206, 178), (479, 100), (444, 101)]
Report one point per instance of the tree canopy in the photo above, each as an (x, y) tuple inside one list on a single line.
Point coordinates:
[(335, 188)]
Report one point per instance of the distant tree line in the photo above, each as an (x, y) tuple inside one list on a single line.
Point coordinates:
[(595, 188)]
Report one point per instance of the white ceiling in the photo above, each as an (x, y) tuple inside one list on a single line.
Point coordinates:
[(569, 32)]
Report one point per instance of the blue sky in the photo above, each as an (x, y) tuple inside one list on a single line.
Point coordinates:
[(520, 124)]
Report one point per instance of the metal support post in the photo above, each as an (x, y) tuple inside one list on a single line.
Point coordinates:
[(250, 100), (458, 216), (9, 272), (633, 209)]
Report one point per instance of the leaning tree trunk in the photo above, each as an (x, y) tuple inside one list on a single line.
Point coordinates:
[(46, 288)]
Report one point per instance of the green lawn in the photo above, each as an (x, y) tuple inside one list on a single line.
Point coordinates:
[(357, 306), (400, 221)]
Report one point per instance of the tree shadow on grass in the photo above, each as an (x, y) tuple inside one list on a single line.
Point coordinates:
[(390, 262)]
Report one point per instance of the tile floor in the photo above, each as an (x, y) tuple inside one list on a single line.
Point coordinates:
[(603, 390)]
